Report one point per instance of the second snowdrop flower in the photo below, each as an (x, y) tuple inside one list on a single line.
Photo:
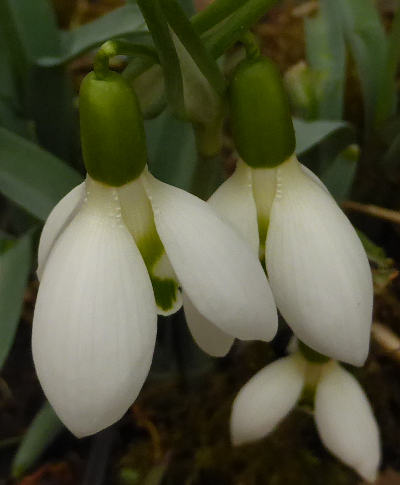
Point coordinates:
[(343, 415), (317, 268)]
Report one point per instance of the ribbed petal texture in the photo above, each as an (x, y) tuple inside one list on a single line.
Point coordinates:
[(318, 270), (217, 269), (94, 326)]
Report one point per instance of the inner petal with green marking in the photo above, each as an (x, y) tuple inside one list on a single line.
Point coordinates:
[(264, 187), (139, 219)]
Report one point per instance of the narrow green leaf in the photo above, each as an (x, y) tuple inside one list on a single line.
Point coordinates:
[(43, 430), (339, 175), (15, 264), (388, 93), (31, 33), (182, 27), (120, 22), (365, 35), (32, 177), (214, 13), (326, 55), (157, 24), (172, 150), (311, 133), (231, 30)]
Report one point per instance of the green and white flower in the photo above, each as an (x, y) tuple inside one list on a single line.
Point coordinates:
[(343, 415), (110, 259), (317, 268)]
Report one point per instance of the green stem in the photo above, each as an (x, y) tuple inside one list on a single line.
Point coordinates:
[(235, 26), (251, 45), (113, 48), (184, 30), (312, 355), (157, 24), (216, 12)]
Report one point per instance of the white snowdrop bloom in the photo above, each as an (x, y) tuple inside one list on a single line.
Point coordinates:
[(317, 268), (110, 259), (343, 415)]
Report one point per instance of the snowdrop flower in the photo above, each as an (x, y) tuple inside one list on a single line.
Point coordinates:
[(110, 259), (342, 413), (317, 268), (116, 251)]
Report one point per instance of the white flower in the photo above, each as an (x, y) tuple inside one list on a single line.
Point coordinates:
[(343, 415), (105, 267), (317, 268)]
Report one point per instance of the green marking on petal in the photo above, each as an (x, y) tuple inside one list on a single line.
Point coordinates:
[(263, 225), (138, 216), (165, 292)]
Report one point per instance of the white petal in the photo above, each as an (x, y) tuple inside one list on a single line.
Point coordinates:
[(318, 269), (217, 269), (139, 219), (94, 326), (234, 202), (346, 423), (58, 219), (266, 399), (207, 336)]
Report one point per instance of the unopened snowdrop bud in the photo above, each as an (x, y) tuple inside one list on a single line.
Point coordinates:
[(345, 421), (112, 132), (260, 115)]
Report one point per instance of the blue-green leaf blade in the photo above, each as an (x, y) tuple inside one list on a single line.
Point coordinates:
[(15, 265), (326, 55), (43, 430), (120, 22), (32, 177), (311, 133), (366, 38)]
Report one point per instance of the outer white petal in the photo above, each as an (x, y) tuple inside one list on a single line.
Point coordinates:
[(318, 269), (234, 202), (266, 399), (346, 423), (58, 219), (207, 336), (218, 270), (94, 326)]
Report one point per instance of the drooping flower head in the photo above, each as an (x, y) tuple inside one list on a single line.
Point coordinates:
[(342, 413), (317, 268), (115, 252)]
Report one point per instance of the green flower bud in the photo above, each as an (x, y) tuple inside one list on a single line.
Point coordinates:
[(261, 123), (112, 132)]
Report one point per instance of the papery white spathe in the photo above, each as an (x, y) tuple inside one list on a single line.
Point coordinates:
[(317, 268), (343, 415), (100, 260)]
